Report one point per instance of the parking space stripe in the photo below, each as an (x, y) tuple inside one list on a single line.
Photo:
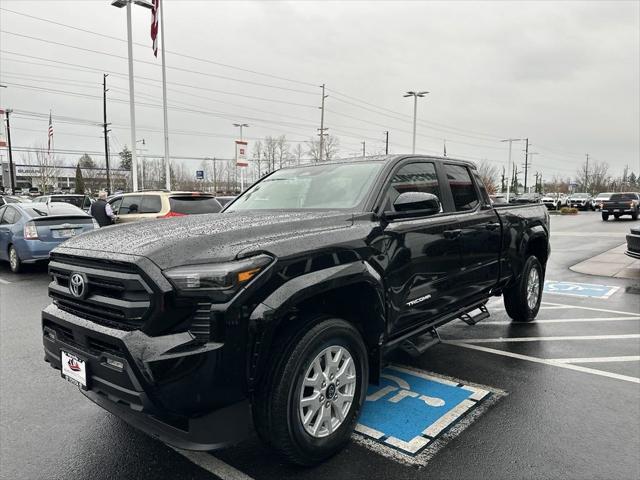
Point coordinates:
[(213, 465), (563, 320), (544, 361), (547, 339), (628, 358), (590, 308)]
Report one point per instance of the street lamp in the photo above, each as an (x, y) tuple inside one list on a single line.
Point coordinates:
[(415, 96), (132, 108)]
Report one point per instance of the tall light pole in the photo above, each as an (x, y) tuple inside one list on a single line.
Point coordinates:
[(510, 140), (415, 96), (240, 125), (132, 107)]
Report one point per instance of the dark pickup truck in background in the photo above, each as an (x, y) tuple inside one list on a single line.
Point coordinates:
[(278, 312), (620, 204)]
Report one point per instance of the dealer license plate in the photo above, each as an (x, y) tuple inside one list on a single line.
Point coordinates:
[(66, 233), (74, 369)]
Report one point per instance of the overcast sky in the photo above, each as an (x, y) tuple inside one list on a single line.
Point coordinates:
[(564, 74)]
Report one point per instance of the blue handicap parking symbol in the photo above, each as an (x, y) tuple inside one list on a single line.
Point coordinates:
[(409, 408), (579, 289)]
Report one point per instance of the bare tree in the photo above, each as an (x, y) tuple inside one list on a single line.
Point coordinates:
[(330, 148), (282, 151), (47, 167), (298, 153), (489, 174)]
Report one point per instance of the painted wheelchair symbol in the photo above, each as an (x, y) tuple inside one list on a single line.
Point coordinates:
[(404, 392)]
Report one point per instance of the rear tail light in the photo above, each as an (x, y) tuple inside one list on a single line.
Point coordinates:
[(30, 231), (172, 214)]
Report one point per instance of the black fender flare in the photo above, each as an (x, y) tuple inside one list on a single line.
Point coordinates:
[(267, 316)]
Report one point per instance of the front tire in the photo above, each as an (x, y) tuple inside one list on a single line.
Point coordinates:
[(14, 260), (605, 217), (634, 216), (522, 299), (311, 396)]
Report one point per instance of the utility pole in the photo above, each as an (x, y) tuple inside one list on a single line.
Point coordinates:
[(106, 138), (11, 174), (586, 174), (364, 144), (509, 167), (215, 190), (526, 163), (415, 96), (386, 143), (322, 129)]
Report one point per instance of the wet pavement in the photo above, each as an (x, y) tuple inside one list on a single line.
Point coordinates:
[(571, 407)]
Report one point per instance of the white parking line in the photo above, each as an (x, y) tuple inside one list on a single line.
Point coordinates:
[(558, 307), (543, 361), (589, 234), (544, 339), (214, 465), (627, 358), (590, 308), (562, 320), (4, 282)]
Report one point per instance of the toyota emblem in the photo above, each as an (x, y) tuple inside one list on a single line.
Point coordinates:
[(78, 285)]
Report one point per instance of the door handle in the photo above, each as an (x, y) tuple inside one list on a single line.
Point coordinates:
[(492, 226), (452, 234)]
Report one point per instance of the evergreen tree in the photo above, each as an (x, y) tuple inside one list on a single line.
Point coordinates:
[(86, 161), (125, 158), (79, 180)]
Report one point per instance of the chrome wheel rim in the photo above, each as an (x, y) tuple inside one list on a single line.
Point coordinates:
[(327, 391), (533, 288), (13, 258)]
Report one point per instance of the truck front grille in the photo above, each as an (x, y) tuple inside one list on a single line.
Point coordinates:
[(116, 294)]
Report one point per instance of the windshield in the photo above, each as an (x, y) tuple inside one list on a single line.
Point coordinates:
[(623, 196), (320, 186), (579, 195), (77, 201), (603, 195)]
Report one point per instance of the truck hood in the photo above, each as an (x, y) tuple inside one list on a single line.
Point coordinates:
[(211, 237)]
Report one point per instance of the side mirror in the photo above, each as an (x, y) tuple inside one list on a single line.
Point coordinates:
[(414, 204)]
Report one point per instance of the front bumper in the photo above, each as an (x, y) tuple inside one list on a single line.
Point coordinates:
[(169, 386), (621, 211)]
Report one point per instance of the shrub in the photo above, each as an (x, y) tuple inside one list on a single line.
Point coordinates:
[(568, 211)]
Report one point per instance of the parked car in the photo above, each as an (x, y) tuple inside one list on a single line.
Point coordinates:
[(151, 204), (633, 243), (226, 199), (4, 199), (295, 293), (600, 199), (29, 231), (528, 198), (77, 200), (620, 204), (581, 201), (498, 199), (554, 201)]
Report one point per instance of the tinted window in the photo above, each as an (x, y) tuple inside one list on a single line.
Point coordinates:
[(115, 204), (464, 193), (130, 204), (151, 204), (414, 177), (616, 197), (10, 216), (194, 205), (76, 201)]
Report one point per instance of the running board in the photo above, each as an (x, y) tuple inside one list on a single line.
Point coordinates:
[(473, 319), (416, 346)]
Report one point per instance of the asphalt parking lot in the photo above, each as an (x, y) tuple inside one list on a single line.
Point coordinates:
[(565, 393)]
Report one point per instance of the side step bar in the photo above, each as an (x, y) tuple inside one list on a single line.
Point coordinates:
[(473, 319), (416, 346)]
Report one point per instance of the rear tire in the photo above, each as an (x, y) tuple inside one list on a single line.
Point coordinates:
[(290, 392), (605, 217), (14, 260), (634, 216), (522, 299)]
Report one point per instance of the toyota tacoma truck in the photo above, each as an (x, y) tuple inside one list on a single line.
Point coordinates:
[(275, 315)]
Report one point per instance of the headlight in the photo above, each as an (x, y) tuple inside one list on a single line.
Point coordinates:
[(213, 277)]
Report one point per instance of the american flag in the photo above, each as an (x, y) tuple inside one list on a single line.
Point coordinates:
[(50, 136), (154, 26)]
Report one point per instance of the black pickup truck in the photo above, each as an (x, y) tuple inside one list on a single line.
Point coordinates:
[(278, 312)]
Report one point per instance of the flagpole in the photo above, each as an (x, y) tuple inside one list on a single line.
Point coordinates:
[(132, 108), (164, 105)]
